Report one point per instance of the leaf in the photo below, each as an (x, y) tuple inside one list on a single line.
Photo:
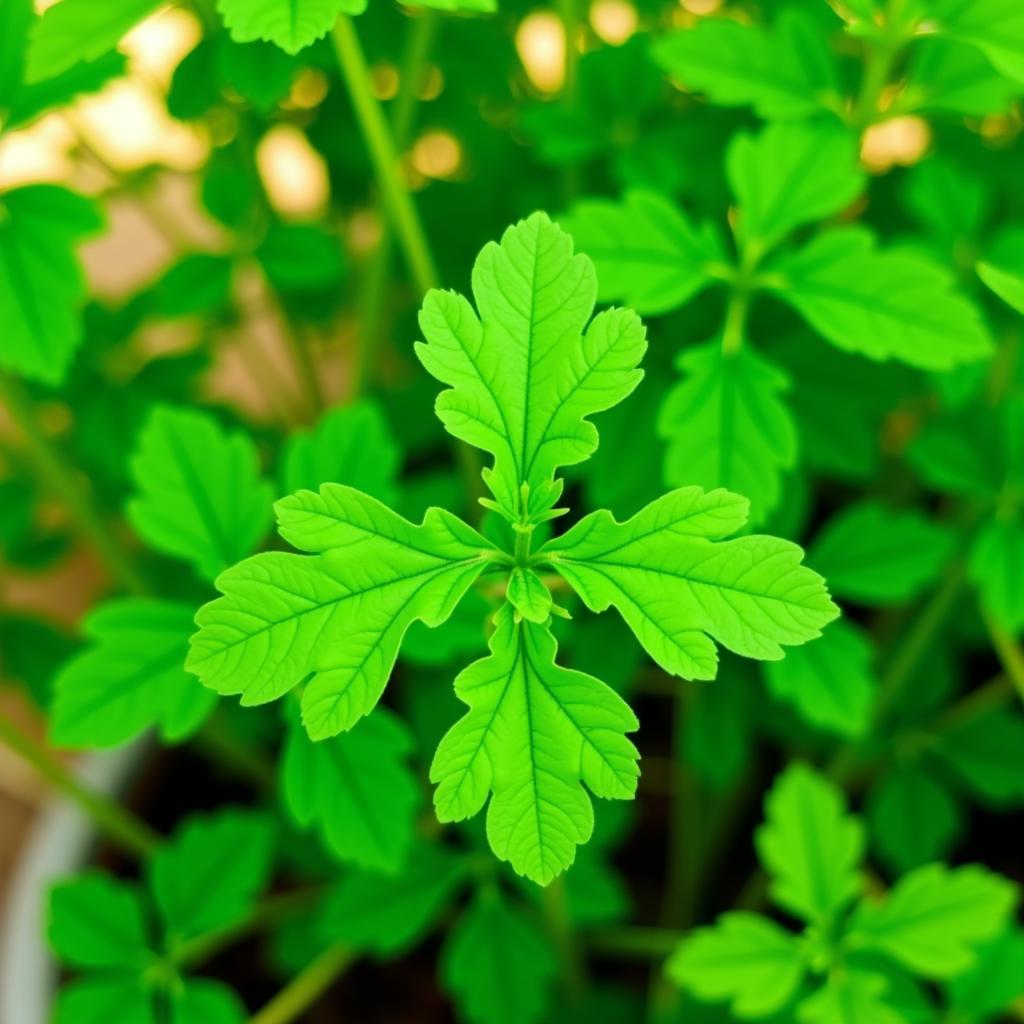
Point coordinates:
[(386, 914), (913, 818), (41, 283), (209, 873), (791, 174), (199, 495), (207, 1002), (645, 250), (291, 24), (681, 587), (995, 980), (97, 921), (260, 72), (851, 997), (497, 964), (350, 444), (745, 959), (130, 678), (944, 75), (357, 789), (877, 555), (997, 551), (809, 846), (1007, 284), (533, 734), (301, 258), (15, 18), (523, 378), (79, 30), (727, 425), (984, 752), (933, 918), (198, 283), (783, 71), (996, 27), (336, 619), (528, 595), (829, 681), (884, 305), (103, 998)]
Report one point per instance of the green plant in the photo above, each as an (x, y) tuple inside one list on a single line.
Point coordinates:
[(814, 207)]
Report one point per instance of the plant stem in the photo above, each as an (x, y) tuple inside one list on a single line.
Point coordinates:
[(734, 327), (559, 926), (636, 943), (414, 65), (306, 988), (1009, 651), (384, 155), (120, 826), (884, 49), (568, 12), (684, 854), (63, 483)]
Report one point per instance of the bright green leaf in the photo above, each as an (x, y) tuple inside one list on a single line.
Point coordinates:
[(809, 845), (994, 568), (131, 677), (994, 981), (97, 921), (523, 377), (850, 997), (199, 494), (207, 1002), (745, 959), (884, 305), (533, 734), (933, 918), (1007, 284), (102, 999), (681, 587), (944, 75), (996, 27), (291, 24), (528, 595), (356, 789), (727, 425)]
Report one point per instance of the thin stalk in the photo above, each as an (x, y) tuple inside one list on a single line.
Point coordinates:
[(569, 14), (120, 826), (411, 76), (63, 483), (1009, 651), (735, 324), (383, 153), (635, 943), (306, 988), (217, 739), (560, 929), (885, 48)]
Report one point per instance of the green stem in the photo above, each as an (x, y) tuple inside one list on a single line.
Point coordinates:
[(635, 943), (383, 153), (569, 13), (306, 988), (121, 827), (560, 929), (1011, 656), (735, 324), (685, 835), (884, 49), (62, 482), (411, 75)]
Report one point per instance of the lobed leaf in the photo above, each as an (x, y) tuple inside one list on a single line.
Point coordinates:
[(291, 24), (96, 921)]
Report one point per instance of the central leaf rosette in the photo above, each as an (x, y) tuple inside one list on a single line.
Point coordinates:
[(524, 370)]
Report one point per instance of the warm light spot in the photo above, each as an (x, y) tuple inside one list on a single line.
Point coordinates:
[(540, 41), (384, 80), (614, 21), (701, 7), (999, 128), (308, 90), (364, 231), (39, 152), (293, 172), (128, 125), (42, 5), (437, 154), (901, 140), (432, 84), (156, 46)]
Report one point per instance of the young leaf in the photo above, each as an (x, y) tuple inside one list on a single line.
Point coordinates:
[(351, 444), (208, 874), (877, 555), (727, 425), (80, 30), (357, 789), (1007, 284), (852, 996), (933, 918), (199, 495), (497, 964), (96, 921), (681, 587), (386, 914), (994, 981), (528, 595), (41, 284), (524, 377), (131, 677), (207, 1002), (884, 305), (829, 681), (291, 24), (995, 555), (533, 734), (913, 818), (336, 619), (745, 959), (790, 174), (104, 998), (645, 250), (810, 846), (784, 71)]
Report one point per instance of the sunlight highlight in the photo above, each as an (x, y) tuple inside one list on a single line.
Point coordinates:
[(293, 172), (540, 42)]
